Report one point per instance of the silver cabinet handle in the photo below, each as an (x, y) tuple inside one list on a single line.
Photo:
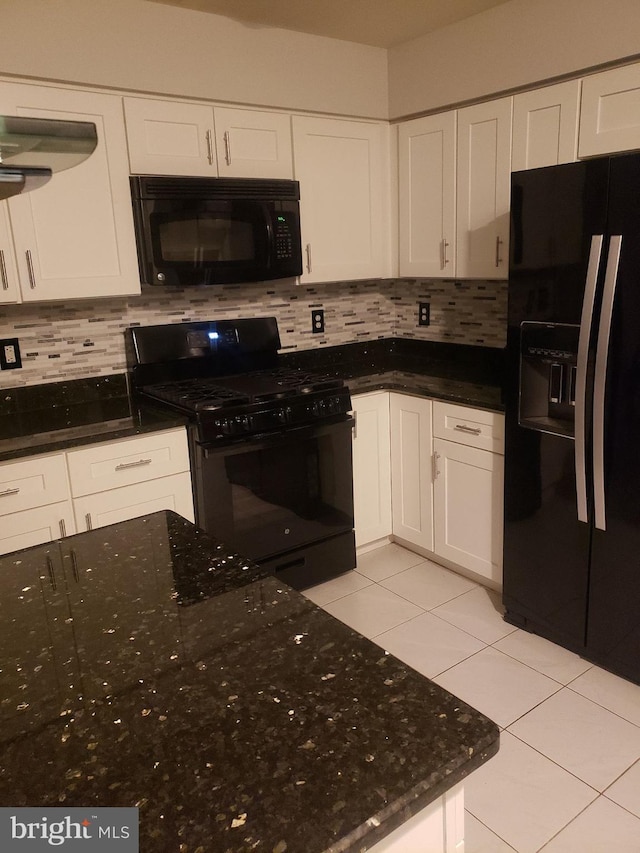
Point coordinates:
[(52, 574), (32, 277), (87, 521), (308, 253), (435, 471), (210, 153), (3, 272), (227, 147), (354, 425), (63, 527), (586, 321), (445, 246), (464, 428), (7, 492), (499, 243), (74, 566), (124, 465), (600, 379)]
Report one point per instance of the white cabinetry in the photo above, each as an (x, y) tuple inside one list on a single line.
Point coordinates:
[(371, 467), (35, 504), (411, 470), (344, 191), (545, 126), (183, 138), (483, 190), (468, 488), (74, 237), (41, 497), (9, 283), (610, 114), (427, 196), (118, 480)]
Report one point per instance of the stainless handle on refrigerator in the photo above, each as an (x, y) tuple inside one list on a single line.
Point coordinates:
[(600, 379), (210, 154), (581, 375)]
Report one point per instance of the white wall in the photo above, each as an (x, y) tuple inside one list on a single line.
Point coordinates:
[(513, 45), (134, 44)]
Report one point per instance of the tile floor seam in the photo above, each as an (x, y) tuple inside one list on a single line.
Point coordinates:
[(562, 829), (604, 707), (492, 831)]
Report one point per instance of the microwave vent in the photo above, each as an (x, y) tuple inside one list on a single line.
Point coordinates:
[(152, 186)]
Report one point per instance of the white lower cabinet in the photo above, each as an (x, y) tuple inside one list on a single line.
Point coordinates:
[(371, 467), (42, 497), (411, 469)]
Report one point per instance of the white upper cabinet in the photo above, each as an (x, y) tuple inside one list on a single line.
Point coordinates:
[(610, 114), (483, 189), (545, 126), (182, 138), (342, 167), (427, 196), (74, 237), (9, 284)]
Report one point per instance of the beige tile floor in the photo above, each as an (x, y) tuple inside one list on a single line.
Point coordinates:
[(567, 776)]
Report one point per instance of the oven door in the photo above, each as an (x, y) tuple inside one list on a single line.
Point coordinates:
[(271, 495)]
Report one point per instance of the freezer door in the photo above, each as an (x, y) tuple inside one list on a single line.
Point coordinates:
[(613, 624)]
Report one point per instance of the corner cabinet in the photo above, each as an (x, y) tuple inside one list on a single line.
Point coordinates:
[(73, 237), (343, 171), (483, 190), (468, 450), (371, 467), (545, 126), (427, 196), (411, 469), (183, 138)]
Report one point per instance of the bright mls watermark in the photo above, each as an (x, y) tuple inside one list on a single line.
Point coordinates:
[(105, 830)]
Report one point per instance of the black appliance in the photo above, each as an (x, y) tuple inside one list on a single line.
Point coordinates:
[(270, 446), (572, 446), (192, 231)]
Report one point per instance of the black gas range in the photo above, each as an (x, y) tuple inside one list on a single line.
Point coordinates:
[(270, 446)]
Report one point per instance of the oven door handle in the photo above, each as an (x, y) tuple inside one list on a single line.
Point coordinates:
[(280, 436)]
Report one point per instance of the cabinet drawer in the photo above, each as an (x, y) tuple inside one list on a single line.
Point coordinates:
[(33, 482), (128, 461), (473, 427), (172, 493)]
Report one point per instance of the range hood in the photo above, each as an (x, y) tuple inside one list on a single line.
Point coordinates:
[(32, 149)]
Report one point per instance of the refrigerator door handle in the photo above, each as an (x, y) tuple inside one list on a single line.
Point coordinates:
[(586, 321), (600, 379)]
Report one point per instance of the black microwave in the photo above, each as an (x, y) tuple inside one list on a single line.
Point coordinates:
[(192, 231)]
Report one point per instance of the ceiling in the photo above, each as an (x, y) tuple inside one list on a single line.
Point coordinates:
[(382, 23)]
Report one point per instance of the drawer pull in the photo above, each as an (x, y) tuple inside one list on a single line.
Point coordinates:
[(124, 465), (87, 521), (464, 428), (3, 272), (30, 270), (63, 528), (52, 574), (8, 492), (74, 566)]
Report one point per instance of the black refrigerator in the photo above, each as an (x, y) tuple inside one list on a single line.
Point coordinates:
[(572, 443)]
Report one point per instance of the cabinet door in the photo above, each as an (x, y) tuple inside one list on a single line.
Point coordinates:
[(484, 168), (253, 144), (170, 137), (427, 162), (545, 126), (36, 526), (411, 469), (341, 166), (610, 112), (9, 287), (468, 508), (74, 236), (128, 502), (371, 467)]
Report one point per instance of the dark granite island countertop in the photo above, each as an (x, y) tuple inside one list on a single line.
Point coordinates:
[(143, 665)]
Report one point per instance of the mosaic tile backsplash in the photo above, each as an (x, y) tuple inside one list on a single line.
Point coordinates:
[(85, 338)]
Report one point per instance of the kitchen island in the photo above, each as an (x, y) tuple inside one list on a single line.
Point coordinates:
[(144, 665)]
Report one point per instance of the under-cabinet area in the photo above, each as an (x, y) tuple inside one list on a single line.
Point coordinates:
[(429, 475), (52, 495)]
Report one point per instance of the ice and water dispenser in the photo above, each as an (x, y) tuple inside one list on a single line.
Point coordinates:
[(548, 366)]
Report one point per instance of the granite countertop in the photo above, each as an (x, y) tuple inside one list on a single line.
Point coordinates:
[(61, 415), (144, 665)]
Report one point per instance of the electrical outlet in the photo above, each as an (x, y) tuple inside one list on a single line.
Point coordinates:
[(424, 313), (10, 354), (317, 321)]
